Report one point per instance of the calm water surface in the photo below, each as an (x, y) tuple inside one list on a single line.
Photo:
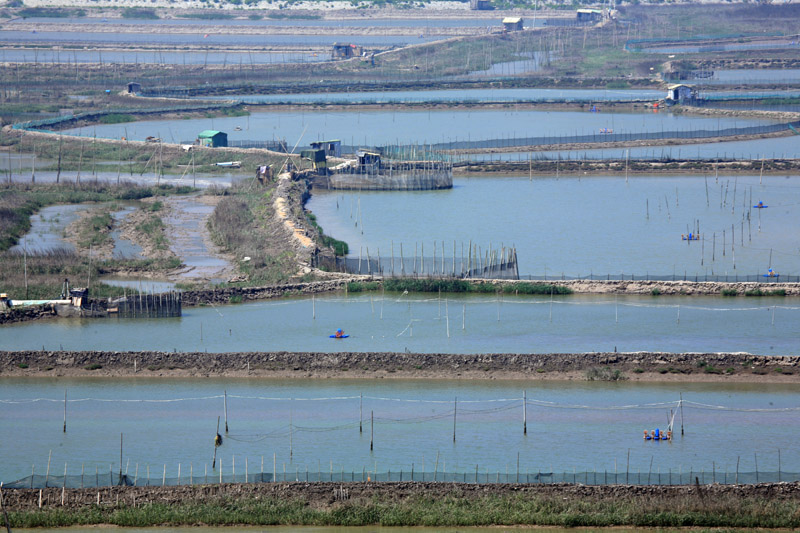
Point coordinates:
[(578, 227), (314, 424), (376, 128), (421, 323)]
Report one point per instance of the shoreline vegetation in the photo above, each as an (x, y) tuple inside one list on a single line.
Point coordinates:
[(595, 366), (406, 504)]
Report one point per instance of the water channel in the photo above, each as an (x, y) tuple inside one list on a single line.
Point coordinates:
[(313, 423), (450, 324)]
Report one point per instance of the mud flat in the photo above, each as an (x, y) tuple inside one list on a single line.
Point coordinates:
[(636, 366)]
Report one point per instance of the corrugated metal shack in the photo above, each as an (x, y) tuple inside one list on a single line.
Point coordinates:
[(213, 138)]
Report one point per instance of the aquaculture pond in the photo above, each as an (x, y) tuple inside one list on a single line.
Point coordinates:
[(325, 427), (381, 127), (582, 225)]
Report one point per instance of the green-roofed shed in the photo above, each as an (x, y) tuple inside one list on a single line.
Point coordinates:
[(212, 138)]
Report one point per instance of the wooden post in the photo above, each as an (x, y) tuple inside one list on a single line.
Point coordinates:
[(455, 411), (525, 412), (217, 439), (65, 410), (681, 402), (225, 404), (436, 466), (628, 466), (47, 475), (120, 458), (371, 429), (361, 413)]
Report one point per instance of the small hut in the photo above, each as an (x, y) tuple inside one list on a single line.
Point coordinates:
[(345, 51), (212, 138), (679, 93), (317, 158), (512, 24), (134, 87), (331, 148), (589, 15)]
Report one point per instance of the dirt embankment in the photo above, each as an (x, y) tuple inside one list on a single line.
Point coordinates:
[(636, 366), (634, 167), (325, 495), (227, 295)]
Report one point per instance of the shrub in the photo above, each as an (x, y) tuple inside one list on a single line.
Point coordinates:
[(235, 299), (729, 292), (23, 365), (93, 366), (655, 292)]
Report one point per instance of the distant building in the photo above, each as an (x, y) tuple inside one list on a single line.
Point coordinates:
[(345, 51), (589, 15), (368, 162), (317, 158), (213, 138), (679, 93), (134, 87), (512, 24), (331, 148), (480, 5)]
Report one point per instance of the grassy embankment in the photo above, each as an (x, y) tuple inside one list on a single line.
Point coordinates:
[(46, 271), (87, 156), (453, 509), (244, 225), (456, 286)]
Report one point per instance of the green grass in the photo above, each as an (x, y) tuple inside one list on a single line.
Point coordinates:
[(449, 510), (139, 13), (459, 285), (765, 292), (359, 286), (154, 231), (116, 118)]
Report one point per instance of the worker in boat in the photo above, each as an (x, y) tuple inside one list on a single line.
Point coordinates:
[(646, 436), (339, 333), (653, 434), (669, 435)]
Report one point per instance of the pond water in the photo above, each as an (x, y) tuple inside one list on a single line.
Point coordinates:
[(200, 180), (749, 77), (186, 231), (729, 47), (454, 95), (199, 39), (379, 127), (47, 229), (160, 57), (452, 324), (581, 226), (753, 149), (314, 425)]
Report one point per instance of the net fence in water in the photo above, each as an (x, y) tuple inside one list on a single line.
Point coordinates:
[(593, 477)]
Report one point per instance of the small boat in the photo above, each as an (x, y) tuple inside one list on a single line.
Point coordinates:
[(760, 205), (237, 128), (230, 164)]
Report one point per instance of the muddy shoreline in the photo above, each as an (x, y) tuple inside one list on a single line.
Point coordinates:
[(635, 366)]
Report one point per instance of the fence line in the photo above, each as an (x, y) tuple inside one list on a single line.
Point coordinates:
[(716, 278), (301, 473)]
